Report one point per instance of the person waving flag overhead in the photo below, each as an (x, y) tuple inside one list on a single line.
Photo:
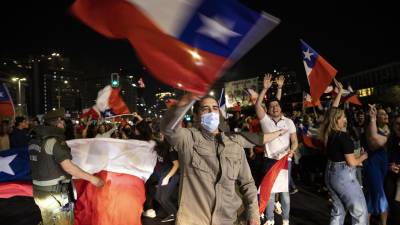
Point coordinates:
[(319, 72)]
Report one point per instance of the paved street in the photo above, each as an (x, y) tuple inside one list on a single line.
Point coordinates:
[(307, 208)]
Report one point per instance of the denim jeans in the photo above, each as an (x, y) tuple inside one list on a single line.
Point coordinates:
[(285, 202), (346, 194), (164, 194), (292, 185), (284, 196)]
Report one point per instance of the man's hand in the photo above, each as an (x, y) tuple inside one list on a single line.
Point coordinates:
[(394, 168), (280, 81), (97, 181), (372, 112), (338, 85), (252, 155), (137, 116), (253, 222), (267, 81), (187, 98), (165, 181), (282, 131)]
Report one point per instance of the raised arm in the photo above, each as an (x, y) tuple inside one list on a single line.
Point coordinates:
[(336, 102), (177, 136), (267, 84), (279, 81), (374, 139), (84, 131)]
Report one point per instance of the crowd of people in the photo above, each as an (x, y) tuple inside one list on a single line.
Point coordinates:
[(208, 172)]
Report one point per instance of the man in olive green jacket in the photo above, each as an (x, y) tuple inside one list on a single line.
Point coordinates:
[(212, 163)]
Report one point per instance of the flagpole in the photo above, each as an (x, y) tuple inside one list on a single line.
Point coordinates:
[(110, 117)]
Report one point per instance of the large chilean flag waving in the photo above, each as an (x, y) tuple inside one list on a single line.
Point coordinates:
[(124, 166), (185, 44), (319, 72)]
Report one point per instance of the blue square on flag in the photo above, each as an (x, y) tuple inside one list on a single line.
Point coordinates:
[(15, 165), (218, 27), (3, 94)]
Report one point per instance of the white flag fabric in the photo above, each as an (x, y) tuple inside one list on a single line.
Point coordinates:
[(131, 157)]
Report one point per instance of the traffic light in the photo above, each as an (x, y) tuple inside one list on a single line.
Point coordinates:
[(114, 80)]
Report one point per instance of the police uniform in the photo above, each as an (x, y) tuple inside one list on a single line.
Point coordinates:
[(51, 184)]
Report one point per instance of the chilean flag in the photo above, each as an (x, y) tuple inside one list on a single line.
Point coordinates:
[(348, 95), (93, 111), (319, 72), (6, 103), (110, 103), (124, 166), (268, 184), (15, 173), (307, 101), (185, 44), (16, 196)]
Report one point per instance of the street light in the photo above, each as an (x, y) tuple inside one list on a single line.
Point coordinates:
[(19, 80)]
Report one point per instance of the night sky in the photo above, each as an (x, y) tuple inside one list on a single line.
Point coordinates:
[(351, 37)]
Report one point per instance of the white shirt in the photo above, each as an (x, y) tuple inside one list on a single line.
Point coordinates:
[(278, 147)]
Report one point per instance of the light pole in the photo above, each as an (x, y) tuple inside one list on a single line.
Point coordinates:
[(19, 97)]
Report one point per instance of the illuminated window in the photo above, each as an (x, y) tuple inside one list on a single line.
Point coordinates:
[(365, 92)]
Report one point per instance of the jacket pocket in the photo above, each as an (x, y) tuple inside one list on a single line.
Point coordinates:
[(233, 164), (199, 164)]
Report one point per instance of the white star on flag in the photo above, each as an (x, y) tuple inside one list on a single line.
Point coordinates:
[(308, 54), (2, 95), (217, 29), (5, 164)]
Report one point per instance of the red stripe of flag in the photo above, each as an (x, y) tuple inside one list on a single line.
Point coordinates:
[(119, 202), (169, 60), (269, 180), (11, 189), (353, 99), (116, 103), (320, 77)]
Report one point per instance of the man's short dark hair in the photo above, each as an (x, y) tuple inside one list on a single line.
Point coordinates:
[(196, 107), (19, 120), (272, 100)]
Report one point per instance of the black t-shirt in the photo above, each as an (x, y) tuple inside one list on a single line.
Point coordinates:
[(164, 163), (19, 138), (339, 144)]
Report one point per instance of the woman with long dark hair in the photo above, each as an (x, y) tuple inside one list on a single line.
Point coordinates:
[(340, 175)]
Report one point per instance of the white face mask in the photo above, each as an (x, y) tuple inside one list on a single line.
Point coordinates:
[(210, 121)]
